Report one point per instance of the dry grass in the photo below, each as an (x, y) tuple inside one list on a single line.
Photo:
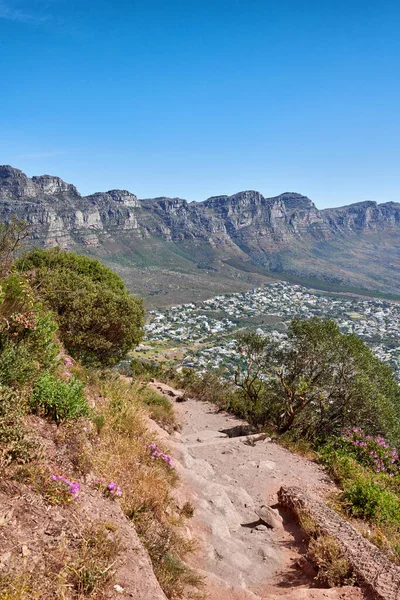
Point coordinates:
[(325, 553), (334, 569), (80, 566), (160, 409), (308, 525), (124, 456), (115, 446), (92, 565), (386, 536), (17, 586), (297, 446)]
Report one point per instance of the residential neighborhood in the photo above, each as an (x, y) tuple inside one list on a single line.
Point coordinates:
[(205, 332)]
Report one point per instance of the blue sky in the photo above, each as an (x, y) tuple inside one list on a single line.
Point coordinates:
[(194, 98)]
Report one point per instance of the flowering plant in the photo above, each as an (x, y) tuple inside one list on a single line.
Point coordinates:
[(374, 452), (155, 452), (62, 490), (68, 364), (111, 490)]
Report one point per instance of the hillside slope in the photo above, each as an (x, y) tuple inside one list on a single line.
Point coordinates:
[(168, 249)]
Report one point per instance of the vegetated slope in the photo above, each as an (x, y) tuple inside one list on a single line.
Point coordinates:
[(81, 475), (168, 248)]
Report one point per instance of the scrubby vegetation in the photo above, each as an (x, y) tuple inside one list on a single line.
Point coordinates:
[(333, 568), (313, 386), (57, 399), (98, 320), (367, 469), (66, 430), (160, 409)]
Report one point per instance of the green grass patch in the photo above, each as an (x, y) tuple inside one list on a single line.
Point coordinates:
[(160, 409), (59, 400)]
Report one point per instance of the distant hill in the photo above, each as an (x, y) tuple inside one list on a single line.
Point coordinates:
[(170, 250)]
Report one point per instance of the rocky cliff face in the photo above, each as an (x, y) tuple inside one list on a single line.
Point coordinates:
[(286, 233), (57, 211)]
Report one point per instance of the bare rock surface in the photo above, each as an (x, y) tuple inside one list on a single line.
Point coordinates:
[(248, 546), (371, 566)]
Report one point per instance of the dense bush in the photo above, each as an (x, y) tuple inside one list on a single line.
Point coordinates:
[(57, 260), (27, 334), (99, 321), (59, 400), (365, 494), (209, 386)]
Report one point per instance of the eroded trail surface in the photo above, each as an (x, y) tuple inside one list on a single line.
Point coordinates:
[(229, 476)]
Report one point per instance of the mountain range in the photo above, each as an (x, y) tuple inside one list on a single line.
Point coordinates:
[(171, 250)]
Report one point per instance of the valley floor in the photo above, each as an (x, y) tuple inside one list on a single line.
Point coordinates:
[(228, 480)]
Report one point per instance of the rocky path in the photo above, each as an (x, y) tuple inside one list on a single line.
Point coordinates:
[(230, 478)]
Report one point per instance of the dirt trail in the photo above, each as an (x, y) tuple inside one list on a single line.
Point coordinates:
[(228, 480)]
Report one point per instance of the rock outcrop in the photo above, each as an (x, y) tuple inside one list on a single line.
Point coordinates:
[(373, 570)]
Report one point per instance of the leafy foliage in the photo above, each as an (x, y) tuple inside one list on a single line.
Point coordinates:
[(27, 334), (320, 382), (366, 495), (55, 259), (60, 400), (369, 500), (98, 320)]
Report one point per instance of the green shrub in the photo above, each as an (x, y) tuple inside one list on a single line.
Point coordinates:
[(16, 365), (366, 499), (23, 359), (142, 369), (59, 400), (14, 444), (55, 259), (208, 387), (341, 464), (98, 320), (28, 342), (366, 494)]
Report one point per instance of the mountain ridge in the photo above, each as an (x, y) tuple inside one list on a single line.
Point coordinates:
[(356, 245)]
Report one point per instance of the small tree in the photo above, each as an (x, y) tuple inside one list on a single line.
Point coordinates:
[(321, 381), (99, 321), (12, 236), (252, 378)]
